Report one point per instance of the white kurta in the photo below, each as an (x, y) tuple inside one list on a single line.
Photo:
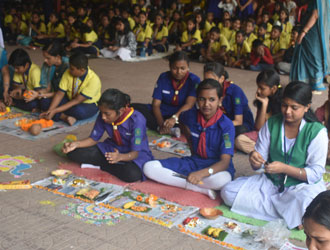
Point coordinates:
[(258, 197)]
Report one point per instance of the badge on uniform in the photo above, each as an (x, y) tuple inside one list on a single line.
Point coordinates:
[(226, 138), (137, 132), (237, 100), (137, 141)]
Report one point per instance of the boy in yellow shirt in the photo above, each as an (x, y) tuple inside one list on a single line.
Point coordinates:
[(239, 51), (78, 94), (217, 47), (26, 80), (249, 29), (277, 44)]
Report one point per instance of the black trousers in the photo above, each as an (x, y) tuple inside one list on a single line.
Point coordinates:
[(126, 171)]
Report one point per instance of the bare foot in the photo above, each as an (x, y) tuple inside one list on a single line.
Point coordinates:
[(315, 92), (300, 227), (70, 120)]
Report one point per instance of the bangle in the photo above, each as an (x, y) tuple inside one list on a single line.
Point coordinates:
[(300, 172), (304, 31), (176, 119)]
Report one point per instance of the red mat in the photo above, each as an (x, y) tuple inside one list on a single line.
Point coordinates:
[(170, 193)]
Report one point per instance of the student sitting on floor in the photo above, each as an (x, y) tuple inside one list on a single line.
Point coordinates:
[(159, 35), (239, 52), (26, 80), (175, 92), (5, 78), (292, 150), (126, 149), (234, 102), (216, 48), (260, 57), (79, 91), (268, 103), (276, 44), (211, 139), (55, 64), (124, 45), (143, 33), (191, 39)]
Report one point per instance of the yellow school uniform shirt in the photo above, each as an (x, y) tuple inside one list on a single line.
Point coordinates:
[(286, 32), (264, 38), (142, 34), (90, 37), (131, 22), (8, 20), (232, 38), (42, 28), (59, 29), (222, 42), (227, 32), (249, 39), (187, 37), (161, 34), (275, 45), (24, 29), (30, 79), (90, 87), (244, 50), (207, 27)]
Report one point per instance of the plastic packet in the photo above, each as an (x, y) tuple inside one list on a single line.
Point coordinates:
[(273, 234)]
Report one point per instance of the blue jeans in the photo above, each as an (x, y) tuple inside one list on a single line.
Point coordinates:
[(261, 67)]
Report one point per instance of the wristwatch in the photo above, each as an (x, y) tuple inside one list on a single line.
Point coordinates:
[(211, 171), (176, 119)]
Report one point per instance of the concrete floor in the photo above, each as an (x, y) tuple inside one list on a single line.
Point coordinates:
[(26, 224)]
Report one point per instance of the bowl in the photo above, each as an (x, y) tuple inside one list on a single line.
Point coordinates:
[(61, 173), (210, 213)]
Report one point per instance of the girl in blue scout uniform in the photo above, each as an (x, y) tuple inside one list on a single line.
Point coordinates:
[(175, 92), (126, 149), (78, 94), (234, 101), (26, 78), (291, 151), (52, 70), (6, 74), (210, 135)]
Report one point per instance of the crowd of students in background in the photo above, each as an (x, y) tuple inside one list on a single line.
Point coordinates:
[(253, 35)]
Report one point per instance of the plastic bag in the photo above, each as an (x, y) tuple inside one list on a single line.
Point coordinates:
[(273, 234)]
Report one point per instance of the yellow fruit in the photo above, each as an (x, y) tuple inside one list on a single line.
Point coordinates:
[(210, 230), (129, 204)]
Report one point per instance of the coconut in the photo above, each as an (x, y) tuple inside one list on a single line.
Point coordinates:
[(35, 129)]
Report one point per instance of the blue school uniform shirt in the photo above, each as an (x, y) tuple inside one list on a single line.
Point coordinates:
[(236, 103), (164, 92), (133, 134), (219, 140)]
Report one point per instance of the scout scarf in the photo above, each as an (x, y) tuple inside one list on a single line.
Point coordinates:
[(177, 85), (116, 135), (201, 149), (225, 85)]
